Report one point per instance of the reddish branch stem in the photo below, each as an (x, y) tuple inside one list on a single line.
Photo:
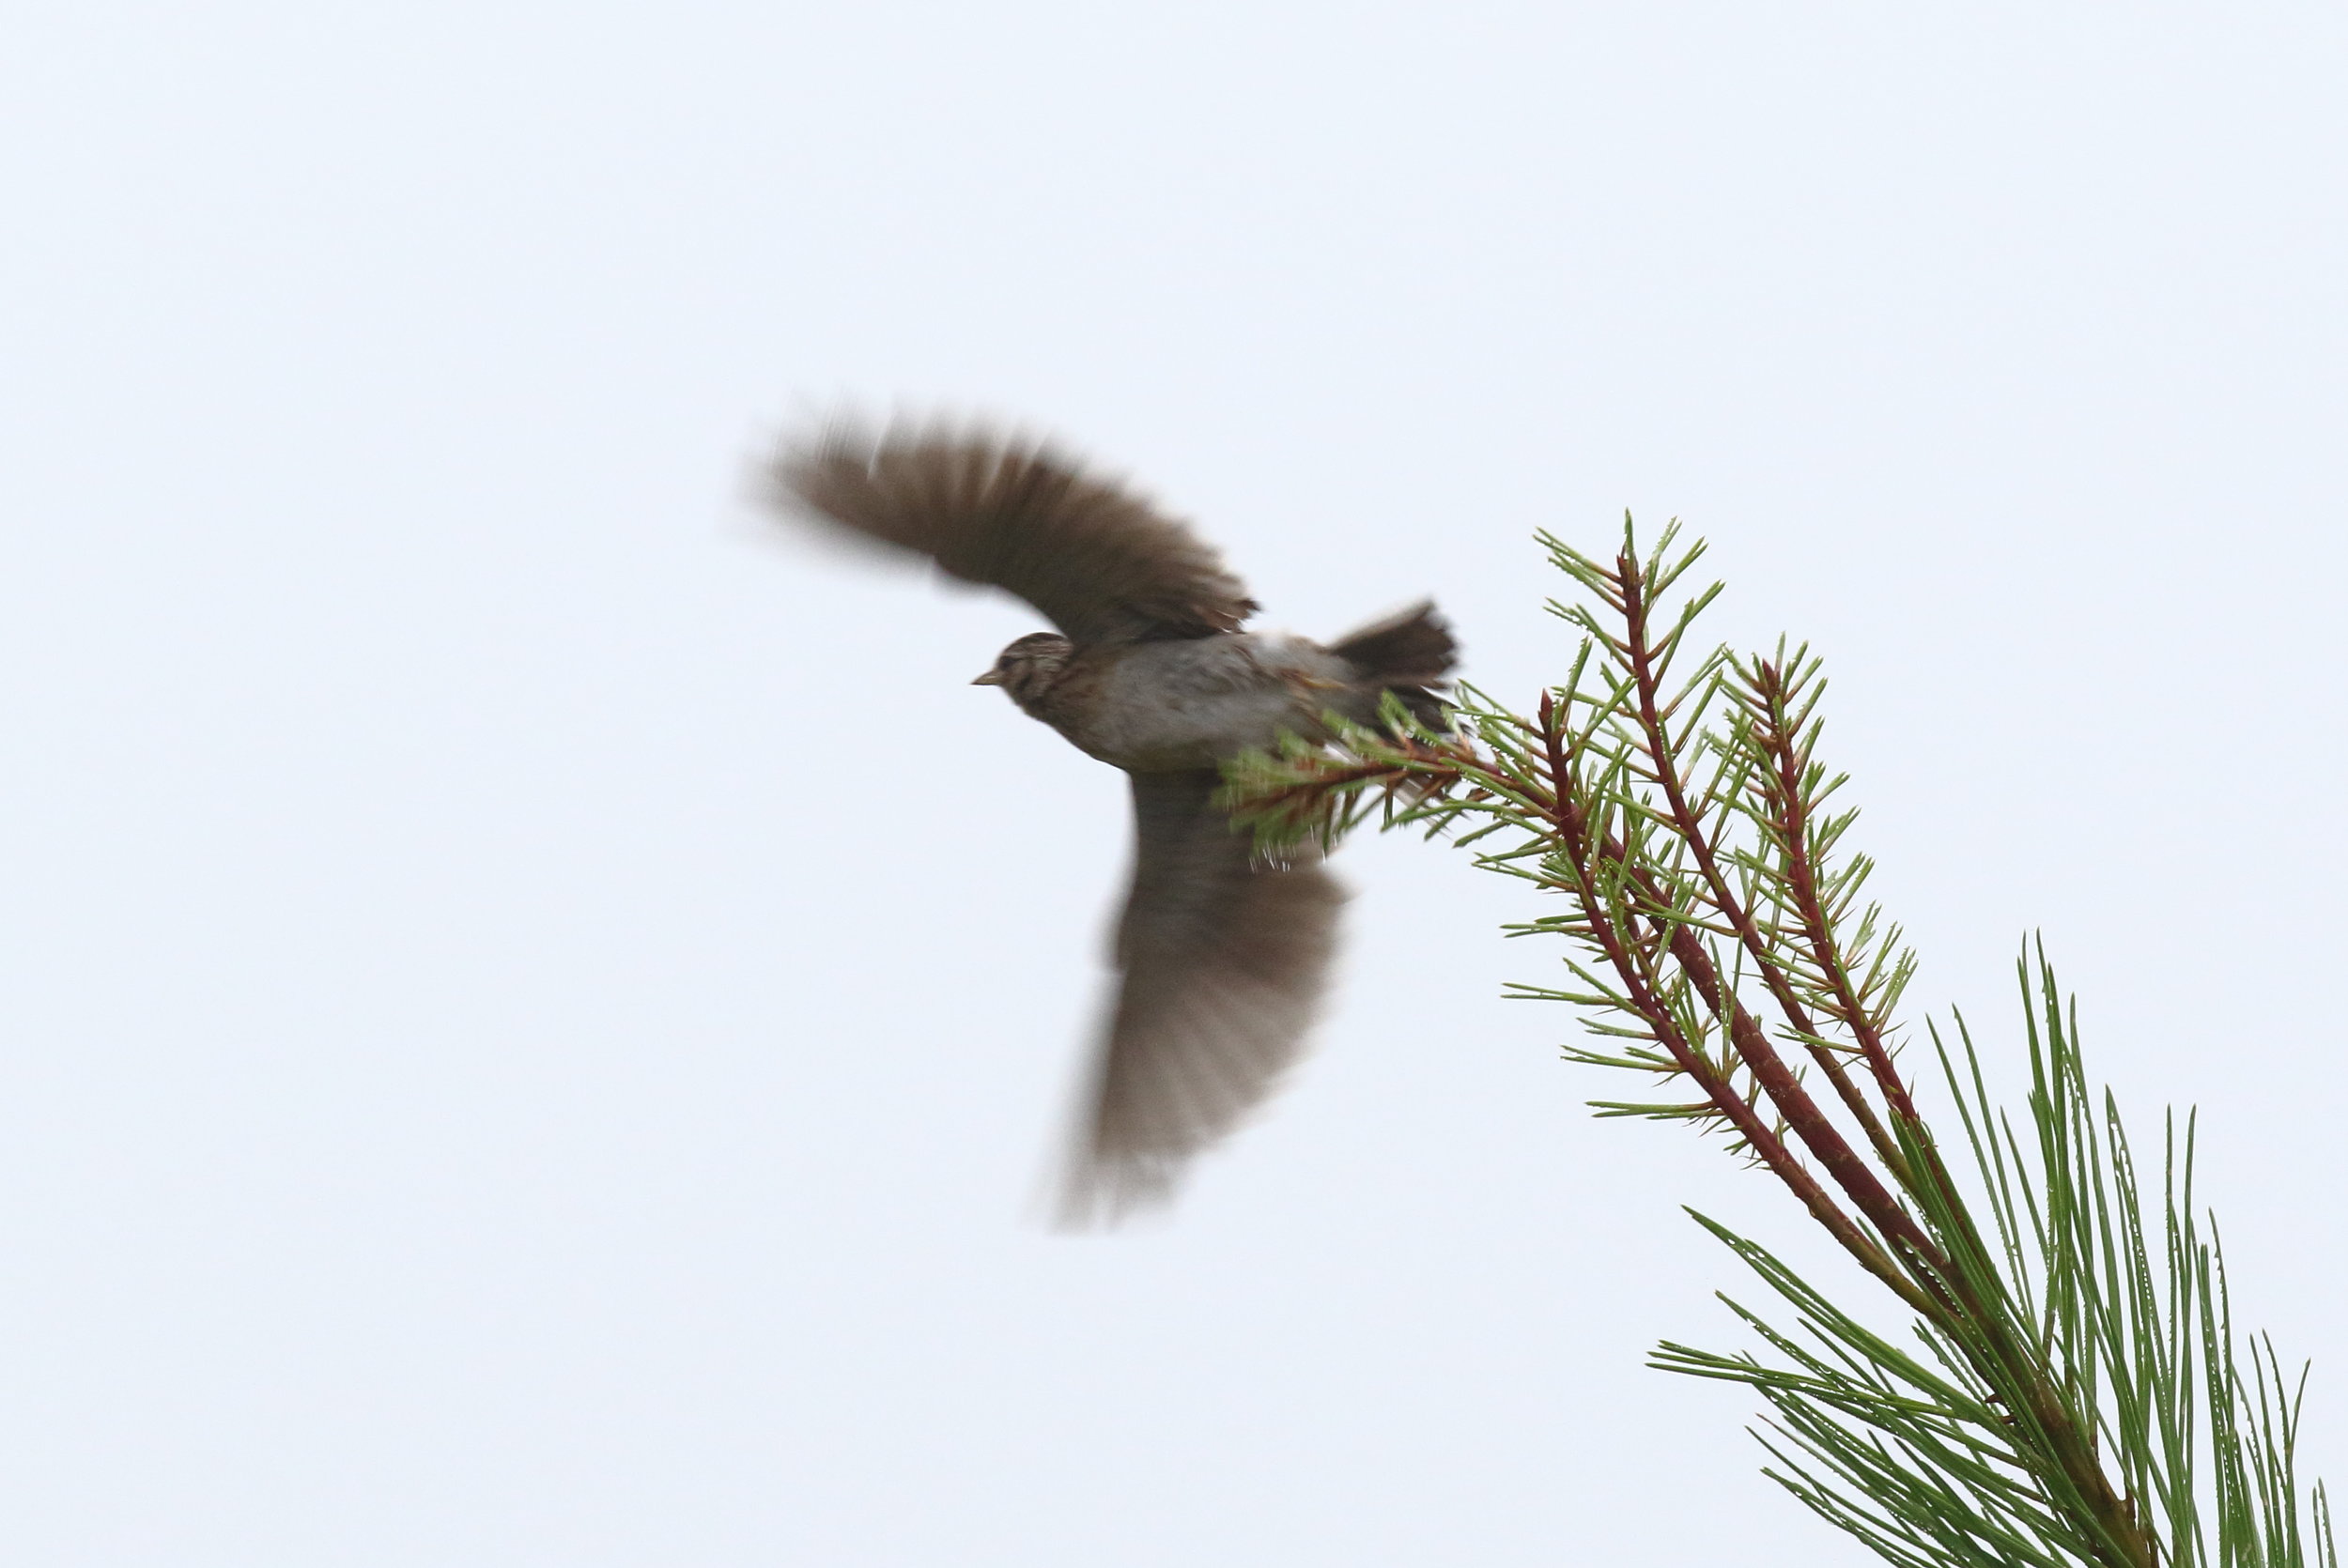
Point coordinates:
[(1572, 825), (1852, 1174), (1793, 820)]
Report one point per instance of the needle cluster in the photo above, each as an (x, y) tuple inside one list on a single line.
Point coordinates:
[(2069, 1388)]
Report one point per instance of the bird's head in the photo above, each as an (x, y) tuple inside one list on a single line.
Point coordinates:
[(1027, 669)]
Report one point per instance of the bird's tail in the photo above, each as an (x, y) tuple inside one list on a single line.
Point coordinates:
[(1410, 653)]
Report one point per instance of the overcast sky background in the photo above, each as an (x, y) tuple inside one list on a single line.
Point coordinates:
[(536, 1014)]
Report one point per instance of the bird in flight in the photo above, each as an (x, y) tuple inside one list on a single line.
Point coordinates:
[(1222, 957)]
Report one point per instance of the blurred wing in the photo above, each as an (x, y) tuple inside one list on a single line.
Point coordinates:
[(1225, 962), (1099, 561)]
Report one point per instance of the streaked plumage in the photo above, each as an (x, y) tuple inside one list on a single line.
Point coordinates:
[(1223, 959)]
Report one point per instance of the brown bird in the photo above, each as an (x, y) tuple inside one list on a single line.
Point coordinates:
[(1223, 957)]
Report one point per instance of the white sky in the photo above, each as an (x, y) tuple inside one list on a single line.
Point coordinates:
[(534, 1016)]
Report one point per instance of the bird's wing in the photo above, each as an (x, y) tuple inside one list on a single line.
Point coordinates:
[(1098, 561), (1225, 961)]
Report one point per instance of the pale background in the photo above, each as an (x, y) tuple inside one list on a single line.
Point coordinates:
[(535, 1013)]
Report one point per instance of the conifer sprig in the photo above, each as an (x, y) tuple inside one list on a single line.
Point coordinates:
[(2069, 1386)]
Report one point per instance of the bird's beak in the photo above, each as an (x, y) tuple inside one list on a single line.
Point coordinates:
[(992, 678)]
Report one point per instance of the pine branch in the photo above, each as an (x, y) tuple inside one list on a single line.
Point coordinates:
[(2072, 1393)]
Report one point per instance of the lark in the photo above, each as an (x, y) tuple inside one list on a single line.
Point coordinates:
[(1222, 958)]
